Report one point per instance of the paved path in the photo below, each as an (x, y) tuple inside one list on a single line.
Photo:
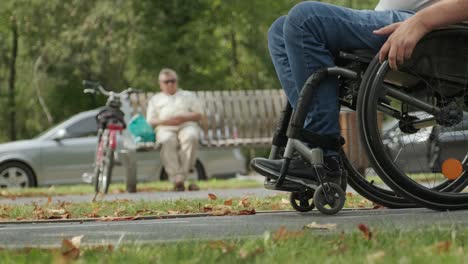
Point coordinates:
[(164, 230), (148, 196)]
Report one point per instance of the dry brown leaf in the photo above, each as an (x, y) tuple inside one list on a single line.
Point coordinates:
[(228, 202), (173, 212), (244, 202), (377, 206), (244, 253), (374, 257), (220, 210), (49, 200), (208, 208), (211, 196), (443, 246), (112, 219), (247, 212), (284, 234), (69, 250), (56, 211), (222, 245), (94, 213), (365, 231), (314, 225)]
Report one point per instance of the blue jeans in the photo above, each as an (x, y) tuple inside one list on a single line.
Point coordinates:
[(308, 39)]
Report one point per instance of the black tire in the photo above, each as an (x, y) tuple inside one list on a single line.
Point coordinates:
[(302, 201), (336, 199), (439, 197), (199, 169), (19, 169), (103, 170)]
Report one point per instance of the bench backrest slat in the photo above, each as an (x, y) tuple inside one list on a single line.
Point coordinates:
[(231, 117)]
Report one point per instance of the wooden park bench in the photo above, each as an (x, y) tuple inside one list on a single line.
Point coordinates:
[(241, 118)]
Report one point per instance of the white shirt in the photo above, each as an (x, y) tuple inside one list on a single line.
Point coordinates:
[(163, 106), (409, 5)]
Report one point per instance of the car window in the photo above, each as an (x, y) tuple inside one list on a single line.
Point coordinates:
[(86, 127)]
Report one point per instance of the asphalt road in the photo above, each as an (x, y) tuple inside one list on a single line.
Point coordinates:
[(166, 230)]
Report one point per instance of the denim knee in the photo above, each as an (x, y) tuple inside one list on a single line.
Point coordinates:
[(276, 30), (304, 11)]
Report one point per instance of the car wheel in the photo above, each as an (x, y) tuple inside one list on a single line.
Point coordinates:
[(16, 175)]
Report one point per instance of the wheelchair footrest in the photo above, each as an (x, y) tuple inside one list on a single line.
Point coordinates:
[(287, 186)]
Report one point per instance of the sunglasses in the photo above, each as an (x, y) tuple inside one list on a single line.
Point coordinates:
[(169, 81)]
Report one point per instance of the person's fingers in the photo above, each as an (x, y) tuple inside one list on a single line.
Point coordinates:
[(384, 51), (392, 57), (387, 30), (400, 54), (409, 50)]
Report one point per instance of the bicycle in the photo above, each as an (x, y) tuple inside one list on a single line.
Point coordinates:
[(110, 121)]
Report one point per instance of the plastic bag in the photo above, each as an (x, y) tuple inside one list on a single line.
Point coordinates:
[(140, 130)]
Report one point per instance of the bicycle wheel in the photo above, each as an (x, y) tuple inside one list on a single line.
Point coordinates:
[(423, 105), (104, 164)]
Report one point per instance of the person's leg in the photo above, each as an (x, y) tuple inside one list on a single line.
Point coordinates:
[(169, 154), (314, 33), (307, 40), (189, 136), (277, 48)]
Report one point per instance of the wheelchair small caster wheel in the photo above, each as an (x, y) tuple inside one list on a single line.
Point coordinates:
[(302, 201), (329, 198)]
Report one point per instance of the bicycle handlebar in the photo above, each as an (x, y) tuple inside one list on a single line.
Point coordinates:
[(97, 87)]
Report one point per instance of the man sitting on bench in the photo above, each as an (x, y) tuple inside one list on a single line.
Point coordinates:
[(175, 113), (308, 39)]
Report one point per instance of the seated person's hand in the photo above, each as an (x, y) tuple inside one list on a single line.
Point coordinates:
[(404, 37), (175, 121)]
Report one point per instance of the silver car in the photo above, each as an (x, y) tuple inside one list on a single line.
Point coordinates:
[(62, 154)]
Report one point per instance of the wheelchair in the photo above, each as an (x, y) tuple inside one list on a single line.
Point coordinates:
[(428, 93)]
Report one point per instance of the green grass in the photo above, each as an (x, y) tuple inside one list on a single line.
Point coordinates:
[(128, 208), (434, 245), (120, 187)]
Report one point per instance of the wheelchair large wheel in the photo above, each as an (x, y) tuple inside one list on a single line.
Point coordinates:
[(361, 177), (421, 150)]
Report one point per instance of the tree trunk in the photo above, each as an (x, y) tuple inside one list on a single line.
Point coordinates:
[(11, 83)]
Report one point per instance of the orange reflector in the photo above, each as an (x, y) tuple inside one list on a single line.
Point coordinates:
[(452, 169)]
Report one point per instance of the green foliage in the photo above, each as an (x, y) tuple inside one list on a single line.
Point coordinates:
[(213, 44)]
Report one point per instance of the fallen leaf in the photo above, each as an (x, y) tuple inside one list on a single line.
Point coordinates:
[(56, 211), (377, 206), (228, 202), (283, 234), (208, 208), (374, 257), (244, 202), (49, 200), (94, 213), (212, 196), (173, 212), (440, 247), (222, 245), (246, 212), (220, 210), (69, 250), (244, 253), (314, 225), (112, 219), (76, 241), (443, 246), (285, 201), (365, 231)]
